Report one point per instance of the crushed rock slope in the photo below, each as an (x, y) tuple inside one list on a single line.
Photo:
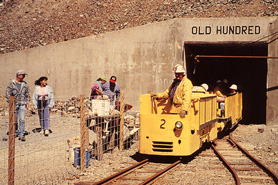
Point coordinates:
[(30, 23)]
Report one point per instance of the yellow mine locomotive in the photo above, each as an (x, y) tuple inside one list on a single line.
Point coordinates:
[(166, 134)]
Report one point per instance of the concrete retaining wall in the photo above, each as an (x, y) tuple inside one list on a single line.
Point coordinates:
[(272, 79), (142, 58)]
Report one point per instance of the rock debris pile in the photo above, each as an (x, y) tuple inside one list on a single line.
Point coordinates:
[(31, 23), (72, 107)]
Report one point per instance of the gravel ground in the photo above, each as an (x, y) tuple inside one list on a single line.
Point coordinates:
[(44, 160), (40, 159), (259, 140)]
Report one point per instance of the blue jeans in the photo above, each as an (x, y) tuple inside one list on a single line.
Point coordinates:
[(222, 105), (43, 110), (20, 119)]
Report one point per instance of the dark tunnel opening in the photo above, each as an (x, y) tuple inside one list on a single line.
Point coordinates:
[(249, 74)]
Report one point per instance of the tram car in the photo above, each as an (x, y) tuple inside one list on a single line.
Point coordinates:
[(167, 134)]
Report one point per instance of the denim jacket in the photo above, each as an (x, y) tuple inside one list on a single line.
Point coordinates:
[(22, 95), (50, 97)]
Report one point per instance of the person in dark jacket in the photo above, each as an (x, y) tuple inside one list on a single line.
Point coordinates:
[(112, 90)]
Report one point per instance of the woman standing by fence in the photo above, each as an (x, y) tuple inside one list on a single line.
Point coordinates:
[(43, 100)]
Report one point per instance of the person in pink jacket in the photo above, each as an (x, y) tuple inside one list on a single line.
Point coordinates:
[(96, 88)]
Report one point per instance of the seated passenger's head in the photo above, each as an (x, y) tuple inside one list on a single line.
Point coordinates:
[(113, 79), (218, 82), (225, 81), (233, 87), (102, 79), (205, 86)]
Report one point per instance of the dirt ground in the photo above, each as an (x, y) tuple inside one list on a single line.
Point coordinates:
[(40, 159), (259, 140), (45, 160)]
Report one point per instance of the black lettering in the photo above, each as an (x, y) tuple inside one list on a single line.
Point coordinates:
[(194, 30), (208, 30), (244, 28), (218, 30), (162, 125), (250, 29), (234, 30), (231, 30), (237, 29), (257, 29), (225, 31), (200, 33)]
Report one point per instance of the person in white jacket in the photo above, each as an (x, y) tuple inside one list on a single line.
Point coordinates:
[(43, 100)]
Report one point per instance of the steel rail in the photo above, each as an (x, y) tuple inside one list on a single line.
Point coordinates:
[(227, 56), (152, 178), (227, 165), (265, 168), (231, 142), (122, 172)]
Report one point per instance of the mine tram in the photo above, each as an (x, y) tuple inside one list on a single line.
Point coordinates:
[(166, 134)]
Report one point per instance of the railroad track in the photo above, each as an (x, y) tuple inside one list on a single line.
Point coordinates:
[(144, 172), (243, 166), (236, 166)]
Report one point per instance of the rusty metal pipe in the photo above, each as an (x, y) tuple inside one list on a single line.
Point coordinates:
[(223, 56)]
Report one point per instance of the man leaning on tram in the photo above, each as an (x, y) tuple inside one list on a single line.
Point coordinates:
[(179, 92)]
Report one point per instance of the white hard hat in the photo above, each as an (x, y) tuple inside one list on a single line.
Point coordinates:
[(205, 86), (225, 81), (178, 69), (234, 87), (218, 81)]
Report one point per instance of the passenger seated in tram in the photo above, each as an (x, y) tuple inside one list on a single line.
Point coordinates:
[(233, 89), (225, 86), (219, 91), (201, 89)]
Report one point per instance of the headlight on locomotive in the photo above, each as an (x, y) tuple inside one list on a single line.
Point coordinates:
[(178, 125)]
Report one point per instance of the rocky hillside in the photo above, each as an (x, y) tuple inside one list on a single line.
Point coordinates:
[(31, 23)]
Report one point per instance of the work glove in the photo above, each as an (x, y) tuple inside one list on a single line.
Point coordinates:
[(154, 96), (183, 113)]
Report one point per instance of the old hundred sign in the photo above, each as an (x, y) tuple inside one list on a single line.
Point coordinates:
[(226, 30)]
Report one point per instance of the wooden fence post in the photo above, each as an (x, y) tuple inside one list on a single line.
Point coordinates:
[(122, 122), (83, 134), (12, 120), (99, 121)]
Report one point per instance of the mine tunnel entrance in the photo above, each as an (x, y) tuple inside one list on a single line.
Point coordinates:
[(249, 74)]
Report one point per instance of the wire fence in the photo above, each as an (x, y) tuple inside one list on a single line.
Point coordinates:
[(81, 130)]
